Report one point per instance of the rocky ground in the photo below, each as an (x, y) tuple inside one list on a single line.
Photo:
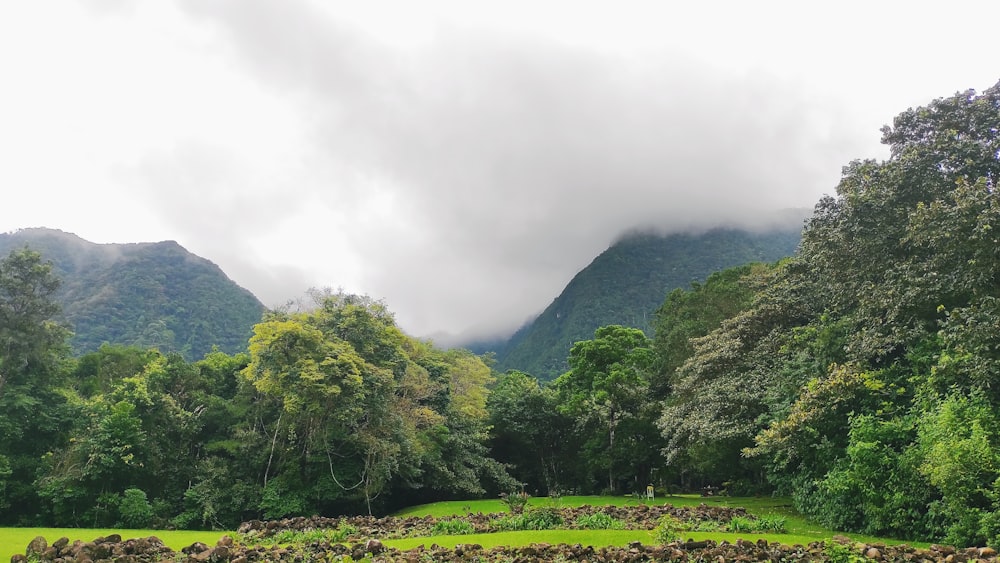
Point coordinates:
[(113, 549), (366, 544), (639, 517)]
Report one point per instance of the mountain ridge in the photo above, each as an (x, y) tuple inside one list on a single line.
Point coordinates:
[(145, 294), (626, 283)]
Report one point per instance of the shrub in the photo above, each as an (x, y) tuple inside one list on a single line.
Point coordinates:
[(599, 521), (340, 534), (515, 501), (772, 523), (542, 518), (537, 518), (704, 525), (134, 509), (837, 552), (668, 529), (742, 524), (452, 527)]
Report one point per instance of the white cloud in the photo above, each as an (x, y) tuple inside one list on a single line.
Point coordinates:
[(460, 160)]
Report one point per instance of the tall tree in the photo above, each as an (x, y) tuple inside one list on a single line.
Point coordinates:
[(32, 345), (608, 382)]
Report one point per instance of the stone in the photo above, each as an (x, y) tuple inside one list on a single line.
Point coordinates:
[(36, 547)]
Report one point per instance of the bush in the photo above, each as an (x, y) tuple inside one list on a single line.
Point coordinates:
[(134, 509), (837, 552), (340, 534), (537, 518), (515, 501), (742, 524), (668, 529), (704, 526), (772, 523), (599, 521), (452, 527)]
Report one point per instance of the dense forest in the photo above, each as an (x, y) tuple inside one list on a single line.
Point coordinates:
[(858, 376)]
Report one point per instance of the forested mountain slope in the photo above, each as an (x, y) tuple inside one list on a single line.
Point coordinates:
[(145, 294), (627, 282)]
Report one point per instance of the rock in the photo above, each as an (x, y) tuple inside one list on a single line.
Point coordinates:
[(873, 553), (987, 552), (36, 547), (196, 547), (374, 547)]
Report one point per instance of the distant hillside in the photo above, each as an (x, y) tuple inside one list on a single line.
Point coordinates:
[(626, 283), (146, 294)]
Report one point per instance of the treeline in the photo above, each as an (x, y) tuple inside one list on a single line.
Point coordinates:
[(332, 411), (861, 377)]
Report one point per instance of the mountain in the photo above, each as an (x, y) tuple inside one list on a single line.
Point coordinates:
[(146, 294), (625, 285)]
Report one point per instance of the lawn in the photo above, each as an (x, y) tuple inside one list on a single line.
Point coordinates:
[(14, 540), (800, 530)]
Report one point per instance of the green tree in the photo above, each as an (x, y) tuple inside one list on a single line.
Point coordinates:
[(608, 382), (531, 434), (31, 341), (36, 416)]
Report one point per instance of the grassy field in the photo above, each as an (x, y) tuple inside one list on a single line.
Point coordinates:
[(14, 540), (800, 530)]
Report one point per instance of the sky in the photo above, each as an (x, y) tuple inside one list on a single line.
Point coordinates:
[(459, 160)]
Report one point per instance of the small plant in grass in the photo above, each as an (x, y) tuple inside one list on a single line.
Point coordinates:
[(704, 525), (772, 523), (541, 518), (452, 527), (537, 518), (599, 521), (555, 498), (668, 529), (339, 534), (515, 501), (741, 524), (837, 552)]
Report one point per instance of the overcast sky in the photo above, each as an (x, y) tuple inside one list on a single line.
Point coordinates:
[(460, 160)]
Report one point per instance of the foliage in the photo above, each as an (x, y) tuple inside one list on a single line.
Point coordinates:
[(531, 435), (859, 374), (837, 552), (515, 501), (668, 529), (741, 524), (36, 415), (342, 533), (599, 521), (605, 392), (452, 527), (534, 518), (134, 509)]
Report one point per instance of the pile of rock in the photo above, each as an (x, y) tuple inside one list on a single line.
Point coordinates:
[(110, 548), (636, 517), (152, 550)]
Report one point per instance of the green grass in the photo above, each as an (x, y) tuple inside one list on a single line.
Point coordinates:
[(460, 507), (14, 540), (586, 537), (800, 530)]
